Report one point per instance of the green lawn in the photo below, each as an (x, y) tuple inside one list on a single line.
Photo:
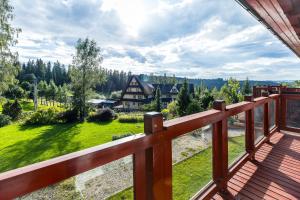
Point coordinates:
[(24, 145), (190, 175)]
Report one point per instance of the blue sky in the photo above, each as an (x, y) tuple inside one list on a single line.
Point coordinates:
[(188, 38)]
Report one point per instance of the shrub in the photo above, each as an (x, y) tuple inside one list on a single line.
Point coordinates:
[(4, 120), (43, 117), (68, 116), (116, 94), (25, 116), (194, 107), (117, 137), (130, 118), (6, 108), (172, 107), (231, 120), (149, 107), (14, 92), (104, 115), (2, 100), (14, 110), (165, 113)]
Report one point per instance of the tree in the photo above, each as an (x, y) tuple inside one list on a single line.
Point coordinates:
[(231, 91), (14, 110), (8, 59), (157, 100), (116, 95), (206, 99), (246, 87), (215, 93), (48, 76), (52, 91), (86, 73), (172, 107), (66, 93), (296, 84), (14, 92), (183, 99), (194, 107), (42, 90)]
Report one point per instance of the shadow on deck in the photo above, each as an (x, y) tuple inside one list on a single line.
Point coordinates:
[(274, 174)]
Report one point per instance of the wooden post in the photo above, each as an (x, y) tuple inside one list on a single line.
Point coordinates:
[(250, 128), (220, 149), (143, 174), (154, 180), (266, 115), (282, 109), (277, 112)]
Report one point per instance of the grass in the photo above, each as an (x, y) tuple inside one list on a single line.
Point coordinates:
[(23, 145), (190, 175)]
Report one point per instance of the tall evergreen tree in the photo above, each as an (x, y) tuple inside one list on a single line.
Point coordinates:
[(49, 72), (183, 99), (158, 100), (246, 87)]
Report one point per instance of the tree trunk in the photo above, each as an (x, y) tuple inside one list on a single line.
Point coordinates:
[(83, 96)]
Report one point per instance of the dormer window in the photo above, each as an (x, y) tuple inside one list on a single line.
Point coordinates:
[(174, 89)]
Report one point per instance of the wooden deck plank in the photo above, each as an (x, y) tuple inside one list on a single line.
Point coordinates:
[(274, 174)]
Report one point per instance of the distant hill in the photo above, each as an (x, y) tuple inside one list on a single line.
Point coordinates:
[(219, 82), (210, 83)]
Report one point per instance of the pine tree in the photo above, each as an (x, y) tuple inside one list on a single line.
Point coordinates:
[(49, 72), (246, 87), (158, 100), (183, 99)]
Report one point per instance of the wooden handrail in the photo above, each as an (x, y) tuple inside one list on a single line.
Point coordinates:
[(152, 155)]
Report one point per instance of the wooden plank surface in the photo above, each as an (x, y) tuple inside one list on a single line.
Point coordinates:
[(274, 174)]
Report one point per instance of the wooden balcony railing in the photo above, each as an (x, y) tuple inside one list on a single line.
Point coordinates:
[(152, 151)]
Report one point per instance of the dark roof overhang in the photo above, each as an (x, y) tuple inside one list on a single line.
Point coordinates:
[(281, 17)]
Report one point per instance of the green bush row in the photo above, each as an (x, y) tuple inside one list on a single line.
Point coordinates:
[(129, 118)]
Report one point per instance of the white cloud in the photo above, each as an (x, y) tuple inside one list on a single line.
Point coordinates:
[(193, 38)]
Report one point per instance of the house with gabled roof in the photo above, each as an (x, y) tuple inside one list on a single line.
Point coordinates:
[(137, 93)]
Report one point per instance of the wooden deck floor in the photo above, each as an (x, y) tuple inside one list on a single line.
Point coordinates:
[(275, 173)]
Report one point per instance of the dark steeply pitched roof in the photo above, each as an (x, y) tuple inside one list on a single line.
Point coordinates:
[(166, 88), (147, 88)]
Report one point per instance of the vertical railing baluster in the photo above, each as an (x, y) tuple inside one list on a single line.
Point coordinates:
[(220, 149), (277, 112), (283, 108), (266, 116), (155, 164), (250, 137)]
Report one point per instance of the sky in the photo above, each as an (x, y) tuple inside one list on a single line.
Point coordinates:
[(188, 38)]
